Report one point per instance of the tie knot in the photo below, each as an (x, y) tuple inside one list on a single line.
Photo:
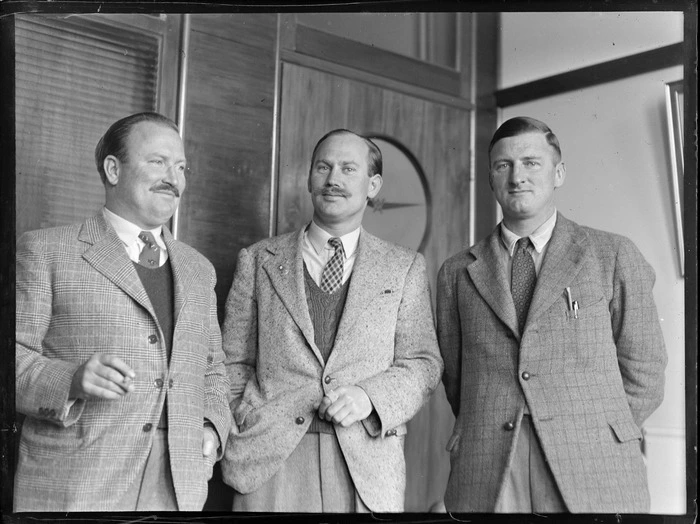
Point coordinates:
[(148, 238), (335, 242), (524, 243)]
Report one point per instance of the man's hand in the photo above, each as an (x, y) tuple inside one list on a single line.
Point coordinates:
[(102, 376), (345, 405), (210, 444)]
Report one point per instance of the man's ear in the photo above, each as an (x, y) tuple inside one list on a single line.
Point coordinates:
[(375, 184), (112, 168), (559, 174)]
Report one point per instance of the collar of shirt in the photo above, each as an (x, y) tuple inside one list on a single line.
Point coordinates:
[(318, 238), (539, 238), (316, 251), (128, 233)]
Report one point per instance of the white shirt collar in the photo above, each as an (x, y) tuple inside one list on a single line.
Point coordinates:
[(318, 237), (539, 238), (128, 232)]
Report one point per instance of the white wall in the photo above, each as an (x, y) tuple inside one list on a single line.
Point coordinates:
[(614, 143)]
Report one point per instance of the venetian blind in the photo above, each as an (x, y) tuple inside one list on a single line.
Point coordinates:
[(74, 78)]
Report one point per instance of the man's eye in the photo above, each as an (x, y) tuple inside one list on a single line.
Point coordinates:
[(157, 162)]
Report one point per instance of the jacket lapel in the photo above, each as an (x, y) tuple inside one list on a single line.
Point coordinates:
[(561, 264), (285, 268), (494, 289), (369, 273), (184, 272), (108, 256)]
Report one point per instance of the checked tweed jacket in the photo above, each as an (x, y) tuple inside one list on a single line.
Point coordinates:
[(78, 293), (385, 344), (592, 380)]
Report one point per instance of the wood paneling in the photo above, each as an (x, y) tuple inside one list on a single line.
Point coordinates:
[(228, 137), (406, 70), (315, 102)]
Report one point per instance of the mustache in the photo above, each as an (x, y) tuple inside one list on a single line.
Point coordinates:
[(164, 186), (331, 191)]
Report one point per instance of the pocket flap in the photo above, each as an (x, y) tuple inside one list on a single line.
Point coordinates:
[(453, 443), (241, 412), (626, 430)]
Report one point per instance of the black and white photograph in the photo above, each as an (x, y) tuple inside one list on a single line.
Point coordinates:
[(349, 261)]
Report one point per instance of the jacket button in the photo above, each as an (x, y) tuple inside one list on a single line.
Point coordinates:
[(525, 375), (158, 383), (153, 339), (327, 380), (147, 427), (299, 420), (390, 433), (170, 383), (509, 426)]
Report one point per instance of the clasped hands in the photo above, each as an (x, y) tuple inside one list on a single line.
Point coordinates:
[(345, 405)]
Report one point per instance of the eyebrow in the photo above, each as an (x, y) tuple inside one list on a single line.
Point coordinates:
[(342, 162)]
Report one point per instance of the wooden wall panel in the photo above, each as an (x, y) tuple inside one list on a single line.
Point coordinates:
[(228, 137), (315, 102)]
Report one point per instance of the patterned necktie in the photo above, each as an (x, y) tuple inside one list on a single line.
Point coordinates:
[(333, 272), (523, 280), (149, 257)]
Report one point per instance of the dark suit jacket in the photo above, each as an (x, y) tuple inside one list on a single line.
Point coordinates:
[(590, 381), (78, 293), (385, 344)]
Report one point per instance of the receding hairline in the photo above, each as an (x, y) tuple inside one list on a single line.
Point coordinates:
[(339, 133)]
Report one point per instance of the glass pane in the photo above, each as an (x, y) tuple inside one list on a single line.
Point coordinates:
[(425, 36)]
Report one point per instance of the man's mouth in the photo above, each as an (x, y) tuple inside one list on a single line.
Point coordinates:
[(332, 194)]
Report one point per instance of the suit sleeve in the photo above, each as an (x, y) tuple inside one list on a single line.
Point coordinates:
[(217, 390), (449, 335), (42, 384), (641, 353), (399, 392), (240, 329)]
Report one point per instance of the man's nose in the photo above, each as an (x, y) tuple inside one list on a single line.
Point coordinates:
[(517, 174), (173, 175), (333, 176)]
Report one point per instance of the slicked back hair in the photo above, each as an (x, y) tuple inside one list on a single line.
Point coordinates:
[(521, 125), (374, 155), (114, 141)]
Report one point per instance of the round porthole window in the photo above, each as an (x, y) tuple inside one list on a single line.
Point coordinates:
[(400, 213)]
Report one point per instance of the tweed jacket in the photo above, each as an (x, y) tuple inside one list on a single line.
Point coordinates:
[(385, 344), (589, 382), (78, 293)]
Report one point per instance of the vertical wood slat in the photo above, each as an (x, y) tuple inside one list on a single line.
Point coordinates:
[(228, 135), (439, 138), (65, 100)]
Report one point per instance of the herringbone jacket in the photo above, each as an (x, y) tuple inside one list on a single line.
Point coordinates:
[(385, 344)]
